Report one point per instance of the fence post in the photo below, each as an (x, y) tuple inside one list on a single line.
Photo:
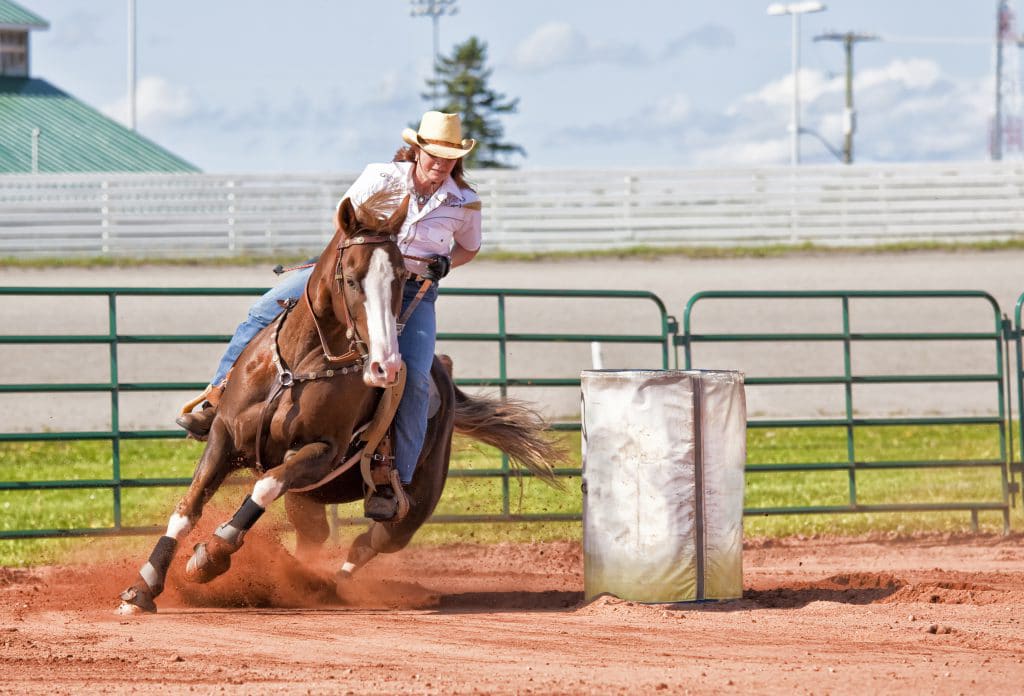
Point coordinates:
[(105, 217), (627, 204), (232, 241)]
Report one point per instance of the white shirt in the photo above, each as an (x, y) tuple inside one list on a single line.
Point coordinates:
[(451, 215)]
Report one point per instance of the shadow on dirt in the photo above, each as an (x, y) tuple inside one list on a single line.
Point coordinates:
[(846, 588), (486, 602)]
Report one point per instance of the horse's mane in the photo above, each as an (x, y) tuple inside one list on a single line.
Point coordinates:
[(375, 213)]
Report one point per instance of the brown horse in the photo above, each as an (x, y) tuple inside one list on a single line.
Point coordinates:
[(292, 408)]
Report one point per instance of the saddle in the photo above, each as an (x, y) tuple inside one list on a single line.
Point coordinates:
[(385, 499)]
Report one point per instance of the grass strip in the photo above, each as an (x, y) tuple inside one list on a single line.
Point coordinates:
[(824, 446), (640, 252)]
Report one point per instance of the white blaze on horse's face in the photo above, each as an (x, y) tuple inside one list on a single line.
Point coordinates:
[(384, 360)]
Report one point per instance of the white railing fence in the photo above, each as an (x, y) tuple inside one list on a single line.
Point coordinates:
[(203, 215)]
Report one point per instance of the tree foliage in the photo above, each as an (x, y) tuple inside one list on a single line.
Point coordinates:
[(462, 87)]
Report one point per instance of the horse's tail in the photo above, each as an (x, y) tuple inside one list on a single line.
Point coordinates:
[(513, 427)]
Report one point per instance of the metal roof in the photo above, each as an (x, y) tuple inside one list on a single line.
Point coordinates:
[(14, 15), (74, 137)]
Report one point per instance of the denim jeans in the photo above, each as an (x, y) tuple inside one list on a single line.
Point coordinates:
[(263, 311), (416, 345)]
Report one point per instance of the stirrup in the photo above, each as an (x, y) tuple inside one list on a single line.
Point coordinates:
[(389, 502)]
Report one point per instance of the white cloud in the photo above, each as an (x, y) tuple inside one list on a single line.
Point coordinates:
[(559, 44), (749, 153), (915, 73), (908, 110), (813, 84), (551, 44), (157, 103), (671, 109)]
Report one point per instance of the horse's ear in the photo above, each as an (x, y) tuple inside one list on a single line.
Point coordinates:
[(398, 217), (345, 217)]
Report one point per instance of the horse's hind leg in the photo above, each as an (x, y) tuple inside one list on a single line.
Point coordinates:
[(210, 473), (307, 465), (310, 521)]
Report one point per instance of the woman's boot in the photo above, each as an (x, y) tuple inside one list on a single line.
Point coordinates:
[(199, 421)]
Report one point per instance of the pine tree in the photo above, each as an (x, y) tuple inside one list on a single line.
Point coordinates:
[(461, 87)]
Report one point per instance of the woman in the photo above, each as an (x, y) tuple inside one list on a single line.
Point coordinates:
[(441, 231)]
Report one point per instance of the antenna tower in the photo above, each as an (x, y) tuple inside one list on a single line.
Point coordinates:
[(1007, 138)]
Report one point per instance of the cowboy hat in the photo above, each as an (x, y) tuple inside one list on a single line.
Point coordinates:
[(440, 135)]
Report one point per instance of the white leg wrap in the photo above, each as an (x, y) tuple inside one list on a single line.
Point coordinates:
[(149, 574), (348, 567), (178, 526), (267, 490)]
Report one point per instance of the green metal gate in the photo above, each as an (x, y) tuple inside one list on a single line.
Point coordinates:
[(853, 464), (117, 484), (662, 333), (1015, 333)]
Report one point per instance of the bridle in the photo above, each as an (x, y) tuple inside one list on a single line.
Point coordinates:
[(351, 361), (357, 346)]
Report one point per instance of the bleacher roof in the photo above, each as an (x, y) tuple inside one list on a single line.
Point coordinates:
[(14, 15), (74, 137)]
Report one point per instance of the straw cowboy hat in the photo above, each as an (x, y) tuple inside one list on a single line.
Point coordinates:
[(440, 135)]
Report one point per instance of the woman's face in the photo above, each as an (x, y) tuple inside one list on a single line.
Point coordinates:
[(434, 169)]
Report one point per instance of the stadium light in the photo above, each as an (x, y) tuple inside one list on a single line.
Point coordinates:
[(435, 9), (794, 10)]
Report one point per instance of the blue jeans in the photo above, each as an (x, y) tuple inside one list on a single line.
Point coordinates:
[(416, 345), (263, 311)]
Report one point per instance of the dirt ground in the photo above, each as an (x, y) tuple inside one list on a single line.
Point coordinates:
[(935, 614)]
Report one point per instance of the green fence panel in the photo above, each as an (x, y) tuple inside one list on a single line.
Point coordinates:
[(659, 336), (851, 422), (1017, 463)]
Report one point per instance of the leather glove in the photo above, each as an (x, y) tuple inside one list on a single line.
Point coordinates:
[(437, 268)]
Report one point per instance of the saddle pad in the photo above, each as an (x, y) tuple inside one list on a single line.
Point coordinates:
[(433, 401)]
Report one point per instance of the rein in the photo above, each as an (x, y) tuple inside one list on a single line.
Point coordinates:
[(357, 347)]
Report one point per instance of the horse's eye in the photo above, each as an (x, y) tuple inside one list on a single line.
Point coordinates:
[(352, 283)]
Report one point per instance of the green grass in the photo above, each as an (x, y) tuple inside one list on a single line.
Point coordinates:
[(93, 507), (639, 252)]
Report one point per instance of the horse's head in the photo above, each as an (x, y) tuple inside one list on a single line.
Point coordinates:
[(370, 279)]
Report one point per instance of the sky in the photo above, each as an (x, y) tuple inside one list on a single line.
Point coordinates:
[(313, 86)]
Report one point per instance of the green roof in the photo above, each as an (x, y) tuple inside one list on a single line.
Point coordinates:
[(12, 14), (74, 137)]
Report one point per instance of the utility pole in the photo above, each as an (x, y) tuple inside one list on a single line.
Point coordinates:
[(131, 64), (849, 114), (435, 9)]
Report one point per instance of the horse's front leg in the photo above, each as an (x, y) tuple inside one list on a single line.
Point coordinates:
[(213, 467), (301, 467)]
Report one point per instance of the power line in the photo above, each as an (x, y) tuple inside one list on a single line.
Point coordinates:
[(849, 39)]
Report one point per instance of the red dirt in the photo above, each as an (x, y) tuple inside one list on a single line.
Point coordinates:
[(936, 614)]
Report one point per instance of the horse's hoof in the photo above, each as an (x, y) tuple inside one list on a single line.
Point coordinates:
[(135, 601), (205, 565)]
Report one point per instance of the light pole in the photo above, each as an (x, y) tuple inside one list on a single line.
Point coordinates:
[(435, 9), (131, 64), (794, 10)]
